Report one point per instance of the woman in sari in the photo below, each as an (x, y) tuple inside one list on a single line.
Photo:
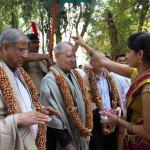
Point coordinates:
[(137, 135)]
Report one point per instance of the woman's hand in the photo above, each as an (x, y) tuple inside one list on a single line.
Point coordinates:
[(78, 40), (118, 110), (31, 118), (99, 57), (112, 119)]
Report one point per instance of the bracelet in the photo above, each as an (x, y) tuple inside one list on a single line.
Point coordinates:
[(129, 128), (91, 52), (146, 90)]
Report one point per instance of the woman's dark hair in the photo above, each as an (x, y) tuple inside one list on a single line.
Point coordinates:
[(140, 41)]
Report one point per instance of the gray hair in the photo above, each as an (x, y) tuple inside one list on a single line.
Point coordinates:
[(11, 36), (61, 47)]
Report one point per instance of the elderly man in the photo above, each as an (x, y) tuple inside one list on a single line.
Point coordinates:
[(36, 69), (65, 91), (103, 91), (21, 126), (104, 95)]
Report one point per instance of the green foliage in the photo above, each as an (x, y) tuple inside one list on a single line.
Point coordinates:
[(128, 16)]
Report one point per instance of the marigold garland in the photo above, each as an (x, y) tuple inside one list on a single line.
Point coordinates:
[(12, 104), (84, 130), (97, 98), (41, 139)]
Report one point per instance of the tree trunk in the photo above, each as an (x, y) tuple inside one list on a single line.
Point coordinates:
[(112, 34), (42, 30), (14, 17), (143, 14)]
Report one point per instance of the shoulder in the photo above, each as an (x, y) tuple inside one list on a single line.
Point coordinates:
[(49, 76), (133, 72)]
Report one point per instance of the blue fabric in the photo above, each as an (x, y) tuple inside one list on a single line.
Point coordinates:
[(104, 90)]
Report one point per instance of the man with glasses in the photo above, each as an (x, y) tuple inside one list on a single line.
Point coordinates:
[(58, 87), (36, 69), (22, 118)]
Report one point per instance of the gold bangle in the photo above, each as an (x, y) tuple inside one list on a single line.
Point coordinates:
[(146, 90), (129, 128), (91, 52)]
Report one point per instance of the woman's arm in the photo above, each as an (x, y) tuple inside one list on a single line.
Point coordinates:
[(121, 69), (136, 129), (140, 130)]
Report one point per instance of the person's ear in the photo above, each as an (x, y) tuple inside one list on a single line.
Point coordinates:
[(5, 47), (140, 55), (56, 55)]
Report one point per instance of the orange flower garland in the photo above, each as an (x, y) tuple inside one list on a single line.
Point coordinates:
[(97, 98), (11, 103), (8, 93), (34, 92), (84, 130)]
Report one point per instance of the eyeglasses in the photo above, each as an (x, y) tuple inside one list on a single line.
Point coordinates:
[(22, 50)]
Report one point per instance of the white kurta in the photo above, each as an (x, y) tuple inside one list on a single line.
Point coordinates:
[(13, 137), (27, 107)]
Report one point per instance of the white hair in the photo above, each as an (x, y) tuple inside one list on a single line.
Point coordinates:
[(61, 47), (11, 36)]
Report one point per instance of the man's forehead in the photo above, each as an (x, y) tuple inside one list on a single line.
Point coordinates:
[(21, 43), (70, 49), (121, 57)]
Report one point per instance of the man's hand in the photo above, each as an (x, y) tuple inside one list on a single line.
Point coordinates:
[(31, 118), (49, 60), (69, 147), (48, 110), (88, 139)]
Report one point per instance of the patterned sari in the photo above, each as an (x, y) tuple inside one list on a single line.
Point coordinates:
[(135, 112)]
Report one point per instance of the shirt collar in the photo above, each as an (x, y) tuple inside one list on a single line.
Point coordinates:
[(103, 77), (17, 73)]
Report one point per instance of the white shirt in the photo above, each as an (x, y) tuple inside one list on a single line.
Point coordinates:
[(81, 72), (104, 90), (123, 84), (27, 106)]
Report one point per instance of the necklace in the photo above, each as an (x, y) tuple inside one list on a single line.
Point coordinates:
[(97, 98), (84, 130), (138, 76), (11, 103)]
